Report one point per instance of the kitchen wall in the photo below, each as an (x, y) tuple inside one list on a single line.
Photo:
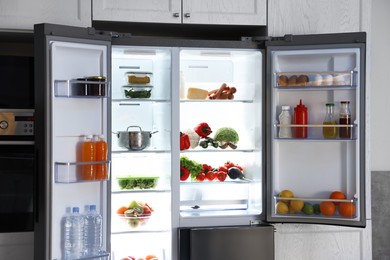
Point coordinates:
[(380, 128)]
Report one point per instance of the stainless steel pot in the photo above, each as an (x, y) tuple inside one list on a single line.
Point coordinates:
[(134, 140)]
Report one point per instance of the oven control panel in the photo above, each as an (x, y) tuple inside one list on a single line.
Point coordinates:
[(16, 122)]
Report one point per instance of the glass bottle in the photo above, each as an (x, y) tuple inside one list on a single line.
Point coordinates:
[(328, 131), (285, 119), (345, 119)]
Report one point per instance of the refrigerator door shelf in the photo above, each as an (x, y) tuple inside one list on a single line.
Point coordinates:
[(70, 172), (311, 208), (315, 132), (81, 89), (327, 79)]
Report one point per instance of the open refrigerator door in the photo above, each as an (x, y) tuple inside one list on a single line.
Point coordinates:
[(317, 156), (70, 105)]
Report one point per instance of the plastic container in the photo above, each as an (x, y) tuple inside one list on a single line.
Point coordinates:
[(88, 155), (72, 236), (96, 89), (93, 237), (285, 119), (345, 119), (300, 118), (101, 171), (137, 92), (139, 78)]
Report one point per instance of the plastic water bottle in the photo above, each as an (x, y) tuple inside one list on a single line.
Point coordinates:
[(93, 239), (285, 119), (73, 224)]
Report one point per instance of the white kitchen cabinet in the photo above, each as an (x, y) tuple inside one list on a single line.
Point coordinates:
[(23, 14), (218, 12), (312, 17), (307, 242)]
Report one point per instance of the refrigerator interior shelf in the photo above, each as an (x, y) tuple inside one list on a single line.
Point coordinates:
[(137, 101), (102, 256), (313, 125), (147, 150), (216, 182), (216, 101), (311, 87), (70, 172), (212, 149), (81, 88), (315, 79), (213, 205), (140, 191)]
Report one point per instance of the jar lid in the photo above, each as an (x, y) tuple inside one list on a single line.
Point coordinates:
[(285, 107), (344, 102), (329, 104)]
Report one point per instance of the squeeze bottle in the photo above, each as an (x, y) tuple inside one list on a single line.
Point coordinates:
[(300, 118)]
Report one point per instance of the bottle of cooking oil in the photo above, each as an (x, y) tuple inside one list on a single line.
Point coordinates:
[(329, 131)]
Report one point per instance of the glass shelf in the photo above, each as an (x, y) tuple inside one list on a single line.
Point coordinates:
[(70, 172)]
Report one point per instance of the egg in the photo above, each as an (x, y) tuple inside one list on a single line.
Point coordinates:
[(327, 80), (317, 80)]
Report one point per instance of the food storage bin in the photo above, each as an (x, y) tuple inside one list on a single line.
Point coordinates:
[(137, 92), (139, 78)]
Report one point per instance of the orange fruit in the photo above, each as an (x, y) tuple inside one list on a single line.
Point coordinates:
[(122, 210), (347, 209), (327, 208), (337, 195), (150, 257)]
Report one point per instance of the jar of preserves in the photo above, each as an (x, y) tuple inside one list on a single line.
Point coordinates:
[(345, 119)]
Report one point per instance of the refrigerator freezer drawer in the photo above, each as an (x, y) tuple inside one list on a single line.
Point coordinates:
[(227, 243)]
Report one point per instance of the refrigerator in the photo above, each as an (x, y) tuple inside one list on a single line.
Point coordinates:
[(160, 89)]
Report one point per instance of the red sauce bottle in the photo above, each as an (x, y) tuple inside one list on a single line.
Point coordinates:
[(300, 118)]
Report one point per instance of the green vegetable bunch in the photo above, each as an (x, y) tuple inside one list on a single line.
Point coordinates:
[(194, 167)]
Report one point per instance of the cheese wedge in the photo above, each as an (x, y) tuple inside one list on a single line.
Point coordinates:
[(197, 93)]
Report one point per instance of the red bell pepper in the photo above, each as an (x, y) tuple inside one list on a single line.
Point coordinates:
[(203, 130), (184, 173), (184, 141)]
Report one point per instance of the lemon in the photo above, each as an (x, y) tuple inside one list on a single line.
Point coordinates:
[(295, 206), (281, 208), (286, 194)]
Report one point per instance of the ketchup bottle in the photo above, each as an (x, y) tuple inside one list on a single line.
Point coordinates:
[(300, 118)]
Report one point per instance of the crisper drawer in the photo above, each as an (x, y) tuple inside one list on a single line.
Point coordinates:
[(227, 243)]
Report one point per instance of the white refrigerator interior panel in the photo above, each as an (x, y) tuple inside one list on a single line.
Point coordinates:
[(73, 117)]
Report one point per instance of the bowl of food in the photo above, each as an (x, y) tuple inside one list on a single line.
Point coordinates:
[(137, 182), (136, 214), (137, 92)]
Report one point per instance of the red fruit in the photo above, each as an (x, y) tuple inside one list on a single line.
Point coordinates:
[(229, 164), (222, 169), (201, 176), (184, 173), (221, 175), (210, 175)]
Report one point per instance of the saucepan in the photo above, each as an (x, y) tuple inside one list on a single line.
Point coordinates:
[(136, 139)]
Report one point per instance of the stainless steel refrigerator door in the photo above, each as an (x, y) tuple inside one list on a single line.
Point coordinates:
[(230, 243)]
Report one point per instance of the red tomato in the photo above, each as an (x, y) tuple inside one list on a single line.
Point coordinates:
[(210, 175), (184, 173), (222, 169), (201, 176), (221, 175)]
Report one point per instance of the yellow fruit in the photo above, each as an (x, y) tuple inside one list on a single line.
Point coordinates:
[(286, 194), (296, 206), (281, 208)]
